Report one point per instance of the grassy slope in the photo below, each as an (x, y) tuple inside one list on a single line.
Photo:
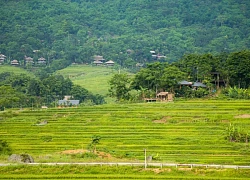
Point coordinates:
[(93, 78), (16, 70)]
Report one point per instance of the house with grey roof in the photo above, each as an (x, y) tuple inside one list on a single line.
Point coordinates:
[(68, 103)]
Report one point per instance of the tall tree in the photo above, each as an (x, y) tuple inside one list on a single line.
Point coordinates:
[(120, 87), (238, 64)]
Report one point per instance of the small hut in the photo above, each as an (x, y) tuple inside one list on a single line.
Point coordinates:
[(97, 63), (110, 63), (14, 62), (199, 84), (2, 58), (41, 60), (165, 96), (29, 60), (185, 83), (98, 58), (68, 103)]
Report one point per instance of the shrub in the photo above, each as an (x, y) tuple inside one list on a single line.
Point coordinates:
[(86, 155), (4, 148), (237, 93), (237, 134)]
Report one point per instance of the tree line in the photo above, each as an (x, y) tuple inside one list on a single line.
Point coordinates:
[(230, 71), (20, 90)]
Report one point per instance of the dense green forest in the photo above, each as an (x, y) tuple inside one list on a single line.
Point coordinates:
[(174, 40), (67, 31)]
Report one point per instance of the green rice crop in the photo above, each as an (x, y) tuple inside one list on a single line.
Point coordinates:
[(179, 132)]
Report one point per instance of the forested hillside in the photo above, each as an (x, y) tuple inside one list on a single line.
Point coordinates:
[(66, 31)]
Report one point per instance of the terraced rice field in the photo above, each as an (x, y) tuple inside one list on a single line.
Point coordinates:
[(179, 132)]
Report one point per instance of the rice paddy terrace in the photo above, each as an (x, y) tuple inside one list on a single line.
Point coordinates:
[(178, 132)]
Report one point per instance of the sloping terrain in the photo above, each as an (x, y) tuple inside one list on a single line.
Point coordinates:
[(124, 31), (179, 132)]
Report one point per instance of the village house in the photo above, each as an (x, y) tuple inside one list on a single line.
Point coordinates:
[(41, 60), (29, 60), (68, 103), (165, 96), (97, 63), (110, 63), (2, 58), (14, 62), (99, 58)]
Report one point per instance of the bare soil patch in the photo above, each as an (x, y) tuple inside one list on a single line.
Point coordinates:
[(158, 170), (74, 151), (102, 155), (243, 116), (162, 120)]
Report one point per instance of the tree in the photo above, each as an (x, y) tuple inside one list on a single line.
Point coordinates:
[(95, 140), (79, 93), (238, 64), (158, 76), (34, 87), (8, 96), (120, 87), (4, 147), (170, 77)]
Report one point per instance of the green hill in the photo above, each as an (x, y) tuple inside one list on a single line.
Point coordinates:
[(124, 31)]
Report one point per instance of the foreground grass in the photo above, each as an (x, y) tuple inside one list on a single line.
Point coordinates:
[(112, 172)]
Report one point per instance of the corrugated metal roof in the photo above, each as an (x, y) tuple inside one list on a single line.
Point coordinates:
[(68, 102), (199, 84), (185, 83)]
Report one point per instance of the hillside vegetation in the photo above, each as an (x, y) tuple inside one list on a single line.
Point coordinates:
[(124, 31)]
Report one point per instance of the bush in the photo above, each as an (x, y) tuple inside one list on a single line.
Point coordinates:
[(237, 134), (236, 93), (188, 92), (86, 155), (4, 148)]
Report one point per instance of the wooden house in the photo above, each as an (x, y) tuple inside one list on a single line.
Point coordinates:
[(29, 60), (165, 96), (2, 58), (97, 63), (110, 63), (41, 60), (14, 62), (68, 103), (99, 58), (198, 84)]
